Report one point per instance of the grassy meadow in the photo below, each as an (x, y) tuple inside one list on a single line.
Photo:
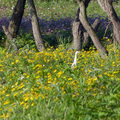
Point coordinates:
[(42, 85)]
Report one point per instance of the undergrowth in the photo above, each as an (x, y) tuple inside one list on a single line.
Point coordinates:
[(42, 85)]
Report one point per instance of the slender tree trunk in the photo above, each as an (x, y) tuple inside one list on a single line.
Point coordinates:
[(77, 31), (84, 21), (86, 40), (35, 26), (107, 6), (15, 21), (79, 34), (16, 17), (7, 33)]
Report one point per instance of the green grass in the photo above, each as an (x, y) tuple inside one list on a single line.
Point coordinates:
[(94, 8), (42, 85), (62, 8)]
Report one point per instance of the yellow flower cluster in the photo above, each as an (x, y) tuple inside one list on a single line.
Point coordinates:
[(29, 77)]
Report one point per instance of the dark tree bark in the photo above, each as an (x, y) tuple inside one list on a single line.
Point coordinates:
[(107, 6), (83, 18), (35, 26), (86, 40), (16, 17), (15, 21), (79, 34)]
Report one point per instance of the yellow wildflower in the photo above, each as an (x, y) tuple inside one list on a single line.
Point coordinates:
[(32, 104), (69, 78), (60, 73), (21, 103), (15, 94), (6, 102), (73, 96), (37, 77)]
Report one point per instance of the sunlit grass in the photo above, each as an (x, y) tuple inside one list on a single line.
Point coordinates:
[(43, 85), (54, 9)]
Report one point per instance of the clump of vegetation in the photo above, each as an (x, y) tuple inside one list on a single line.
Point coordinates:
[(42, 85)]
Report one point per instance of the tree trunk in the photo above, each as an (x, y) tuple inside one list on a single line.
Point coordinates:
[(35, 26), (7, 33), (91, 32), (79, 35), (16, 17), (107, 6), (86, 40), (14, 24), (77, 31)]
